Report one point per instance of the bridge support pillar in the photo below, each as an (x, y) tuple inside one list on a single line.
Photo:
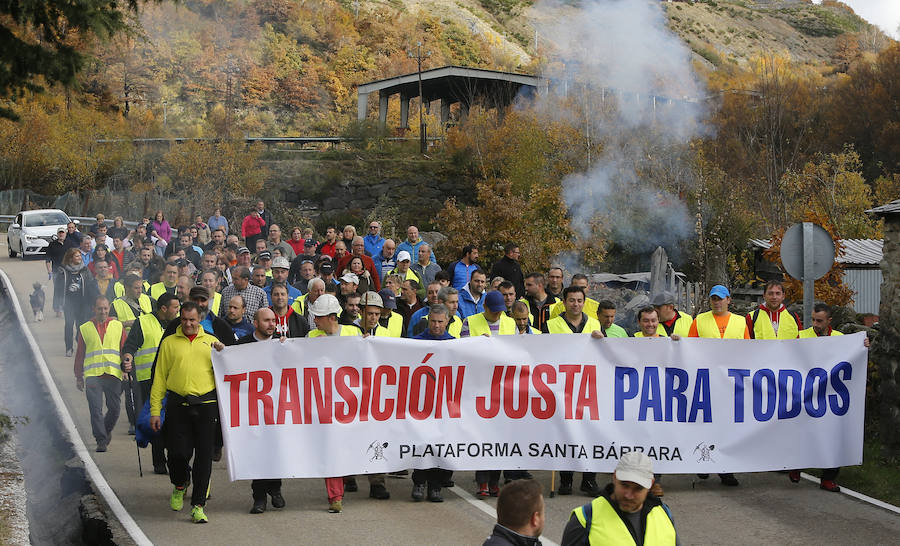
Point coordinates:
[(404, 111), (382, 107), (362, 105), (445, 111)]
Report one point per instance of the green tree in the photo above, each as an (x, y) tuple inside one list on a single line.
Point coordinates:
[(38, 41)]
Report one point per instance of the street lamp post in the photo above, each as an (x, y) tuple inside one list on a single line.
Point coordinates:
[(419, 57)]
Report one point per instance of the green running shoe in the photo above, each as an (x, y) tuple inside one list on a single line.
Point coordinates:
[(198, 516), (176, 501)]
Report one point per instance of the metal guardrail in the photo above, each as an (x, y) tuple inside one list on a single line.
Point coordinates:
[(7, 219), (264, 140)]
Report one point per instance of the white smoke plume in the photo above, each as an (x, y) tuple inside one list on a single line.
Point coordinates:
[(620, 52)]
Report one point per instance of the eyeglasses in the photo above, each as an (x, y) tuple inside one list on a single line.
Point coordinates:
[(373, 227)]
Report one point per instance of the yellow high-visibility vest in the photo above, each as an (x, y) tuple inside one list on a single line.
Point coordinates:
[(811, 332), (764, 329), (344, 331), (608, 528), (682, 325), (558, 325), (299, 305), (102, 357), (143, 358), (707, 327), (124, 312), (590, 308), (478, 325), (658, 333), (159, 289), (119, 288)]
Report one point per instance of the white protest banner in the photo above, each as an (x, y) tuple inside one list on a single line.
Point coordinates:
[(343, 405)]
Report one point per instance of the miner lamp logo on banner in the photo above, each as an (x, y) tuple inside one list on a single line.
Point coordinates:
[(807, 254), (376, 451)]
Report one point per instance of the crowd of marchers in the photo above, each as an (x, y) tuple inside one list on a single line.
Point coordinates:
[(143, 308)]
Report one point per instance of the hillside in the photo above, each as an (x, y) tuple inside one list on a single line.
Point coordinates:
[(258, 67)]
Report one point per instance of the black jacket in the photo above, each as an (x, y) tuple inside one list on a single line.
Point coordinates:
[(507, 537), (511, 271)]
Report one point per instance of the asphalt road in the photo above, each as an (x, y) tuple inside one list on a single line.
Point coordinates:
[(766, 508)]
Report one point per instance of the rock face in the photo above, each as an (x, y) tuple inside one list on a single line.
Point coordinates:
[(418, 188), (887, 348)]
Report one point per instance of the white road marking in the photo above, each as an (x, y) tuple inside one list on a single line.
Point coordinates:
[(100, 482), (856, 495), (487, 508)]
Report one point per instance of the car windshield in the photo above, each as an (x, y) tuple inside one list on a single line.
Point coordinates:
[(45, 219)]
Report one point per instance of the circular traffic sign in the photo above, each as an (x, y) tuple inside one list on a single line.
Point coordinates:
[(792, 251)]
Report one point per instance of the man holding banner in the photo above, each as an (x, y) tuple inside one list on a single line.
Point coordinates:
[(720, 323), (575, 321)]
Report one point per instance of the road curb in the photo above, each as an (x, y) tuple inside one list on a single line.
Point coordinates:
[(94, 475)]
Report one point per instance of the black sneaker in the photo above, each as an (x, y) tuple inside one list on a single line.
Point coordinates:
[(379, 491), (590, 487), (277, 500), (564, 488), (448, 483), (259, 506), (418, 492), (350, 485), (434, 495)]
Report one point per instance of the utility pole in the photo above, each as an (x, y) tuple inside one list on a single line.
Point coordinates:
[(419, 57)]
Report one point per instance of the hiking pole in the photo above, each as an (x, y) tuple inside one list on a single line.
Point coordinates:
[(552, 483), (131, 379)]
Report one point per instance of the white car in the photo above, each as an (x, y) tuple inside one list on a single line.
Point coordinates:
[(32, 230)]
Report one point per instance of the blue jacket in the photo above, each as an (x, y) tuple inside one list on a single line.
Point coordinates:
[(373, 244), (427, 335), (293, 294), (413, 250), (467, 304)]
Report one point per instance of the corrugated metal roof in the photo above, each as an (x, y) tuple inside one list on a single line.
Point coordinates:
[(855, 251), (891, 208)]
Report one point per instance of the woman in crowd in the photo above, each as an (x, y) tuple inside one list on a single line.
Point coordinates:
[(78, 287), (161, 226), (101, 252), (357, 268)]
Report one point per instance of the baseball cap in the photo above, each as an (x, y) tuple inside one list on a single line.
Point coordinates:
[(61, 230), (198, 292), (243, 250), (325, 305), (309, 243), (719, 290), (350, 277), (326, 269), (388, 298), (403, 256), (663, 298), (265, 255), (371, 298), (493, 301), (636, 467), (281, 262)]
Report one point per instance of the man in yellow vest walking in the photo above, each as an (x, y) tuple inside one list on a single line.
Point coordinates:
[(626, 512), (720, 323), (138, 354), (97, 371)]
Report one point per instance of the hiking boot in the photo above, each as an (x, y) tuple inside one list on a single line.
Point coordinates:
[(176, 501), (434, 495), (590, 487), (418, 492), (829, 485), (101, 447), (565, 488), (131, 430), (350, 485), (730, 480), (277, 500), (483, 491), (794, 476), (494, 489), (448, 483), (379, 491), (336, 507), (259, 506), (197, 515)]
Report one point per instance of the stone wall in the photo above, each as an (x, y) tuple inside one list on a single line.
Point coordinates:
[(887, 347)]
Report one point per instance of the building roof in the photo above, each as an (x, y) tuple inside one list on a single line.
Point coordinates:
[(891, 208), (854, 252)]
